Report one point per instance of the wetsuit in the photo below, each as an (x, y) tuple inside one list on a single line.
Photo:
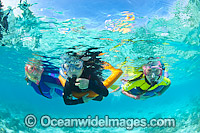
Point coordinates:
[(94, 85), (44, 89)]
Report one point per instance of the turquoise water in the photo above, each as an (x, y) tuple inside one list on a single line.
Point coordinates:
[(170, 30)]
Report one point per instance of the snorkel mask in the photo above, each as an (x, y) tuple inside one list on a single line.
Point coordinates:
[(34, 73), (153, 70), (33, 69), (72, 66), (148, 71)]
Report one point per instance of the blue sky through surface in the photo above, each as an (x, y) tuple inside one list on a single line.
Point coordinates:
[(95, 10)]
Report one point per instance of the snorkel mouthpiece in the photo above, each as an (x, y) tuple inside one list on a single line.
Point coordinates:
[(153, 75), (73, 79)]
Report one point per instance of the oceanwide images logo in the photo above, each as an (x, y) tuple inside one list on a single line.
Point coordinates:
[(30, 120), (129, 123)]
